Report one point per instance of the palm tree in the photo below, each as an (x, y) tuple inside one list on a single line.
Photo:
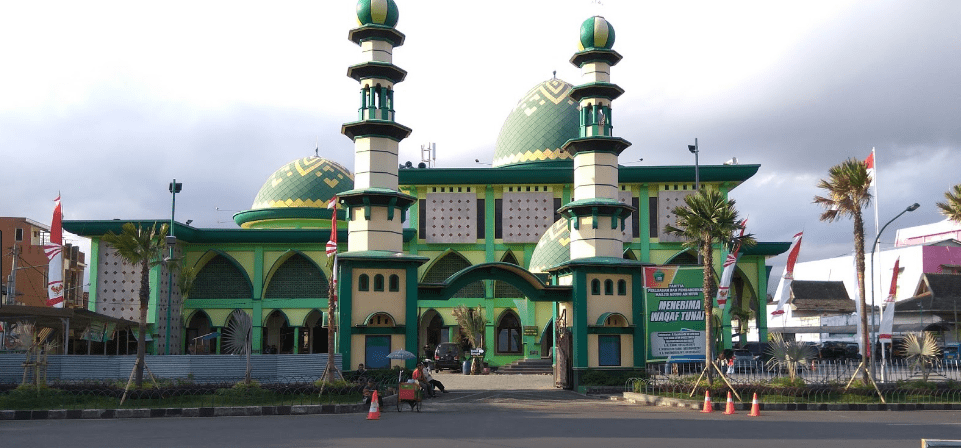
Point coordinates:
[(951, 207), (921, 351), (790, 356), (846, 194), (143, 246), (472, 324), (708, 218)]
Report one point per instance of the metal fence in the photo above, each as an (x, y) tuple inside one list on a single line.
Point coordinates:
[(818, 372), (197, 368)]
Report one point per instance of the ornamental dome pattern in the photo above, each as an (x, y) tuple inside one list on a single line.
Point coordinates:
[(536, 130)]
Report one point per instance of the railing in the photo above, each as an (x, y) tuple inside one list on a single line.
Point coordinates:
[(818, 372)]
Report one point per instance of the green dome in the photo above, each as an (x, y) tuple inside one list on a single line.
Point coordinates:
[(596, 34), (553, 248), (377, 12), (539, 126), (309, 182)]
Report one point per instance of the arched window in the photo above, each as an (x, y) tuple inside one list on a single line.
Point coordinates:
[(621, 287), (378, 282), (297, 278), (394, 283), (363, 283), (447, 265), (221, 278), (504, 289), (608, 287), (509, 334), (596, 287)]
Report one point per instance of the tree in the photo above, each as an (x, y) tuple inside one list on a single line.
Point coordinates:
[(846, 194), (790, 356), (921, 351), (472, 324), (951, 207), (708, 218), (143, 246)]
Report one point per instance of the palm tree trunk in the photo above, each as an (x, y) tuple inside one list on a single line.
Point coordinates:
[(708, 258), (142, 327), (859, 265)]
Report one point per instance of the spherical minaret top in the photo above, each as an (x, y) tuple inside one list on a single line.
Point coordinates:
[(596, 34), (377, 12)]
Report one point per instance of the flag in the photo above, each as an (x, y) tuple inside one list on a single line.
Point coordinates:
[(784, 285), (54, 252), (332, 243), (724, 287), (870, 163), (887, 317)]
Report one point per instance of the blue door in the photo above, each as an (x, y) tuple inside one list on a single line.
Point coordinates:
[(609, 350), (378, 347)]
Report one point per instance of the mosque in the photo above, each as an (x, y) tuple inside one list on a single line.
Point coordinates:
[(555, 238)]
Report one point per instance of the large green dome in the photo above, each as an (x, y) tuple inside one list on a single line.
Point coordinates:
[(553, 248), (542, 122), (307, 182)]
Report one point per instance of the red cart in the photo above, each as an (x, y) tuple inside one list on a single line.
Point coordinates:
[(409, 393)]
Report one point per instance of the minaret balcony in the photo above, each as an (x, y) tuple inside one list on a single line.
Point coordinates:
[(376, 32), (375, 128), (596, 90), (375, 69), (600, 143), (611, 57)]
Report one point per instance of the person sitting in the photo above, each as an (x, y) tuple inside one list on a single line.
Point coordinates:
[(360, 375), (369, 394), (433, 383), (419, 376)]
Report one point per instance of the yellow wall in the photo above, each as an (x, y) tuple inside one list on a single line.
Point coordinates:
[(600, 304), (368, 302), (627, 351)]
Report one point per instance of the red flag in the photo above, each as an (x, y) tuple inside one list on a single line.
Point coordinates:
[(870, 163), (54, 252), (332, 243), (782, 294), (887, 316)]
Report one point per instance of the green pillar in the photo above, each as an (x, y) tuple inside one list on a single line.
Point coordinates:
[(638, 307), (296, 340), (257, 317)]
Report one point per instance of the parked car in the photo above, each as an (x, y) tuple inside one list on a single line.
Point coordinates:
[(745, 361), (448, 355), (950, 352)]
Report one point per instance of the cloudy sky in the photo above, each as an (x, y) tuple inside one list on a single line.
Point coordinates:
[(107, 102)]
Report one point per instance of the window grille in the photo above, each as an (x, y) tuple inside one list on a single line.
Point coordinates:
[(297, 278), (447, 266), (221, 279)]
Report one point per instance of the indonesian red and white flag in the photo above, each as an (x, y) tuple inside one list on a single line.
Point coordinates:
[(332, 243), (870, 163), (887, 317), (724, 287), (54, 252), (784, 286)]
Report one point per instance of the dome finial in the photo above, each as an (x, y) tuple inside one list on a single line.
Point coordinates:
[(377, 12), (555, 74), (596, 34)]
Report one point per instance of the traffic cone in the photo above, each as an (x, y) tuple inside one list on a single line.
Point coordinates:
[(730, 405), (755, 408), (707, 402), (374, 413)]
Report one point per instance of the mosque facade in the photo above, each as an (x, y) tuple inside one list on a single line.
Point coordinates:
[(557, 243)]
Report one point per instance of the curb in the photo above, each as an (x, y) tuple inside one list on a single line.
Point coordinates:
[(228, 411), (654, 400)]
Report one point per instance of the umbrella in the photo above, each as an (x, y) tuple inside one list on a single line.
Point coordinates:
[(401, 354)]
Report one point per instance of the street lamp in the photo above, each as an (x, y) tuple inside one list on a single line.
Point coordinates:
[(174, 188), (874, 322), (697, 174)]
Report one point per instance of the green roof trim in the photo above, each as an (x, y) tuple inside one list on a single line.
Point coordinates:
[(542, 174), (244, 217), (205, 236)]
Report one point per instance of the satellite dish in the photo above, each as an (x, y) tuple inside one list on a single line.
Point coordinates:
[(408, 164), (733, 161)]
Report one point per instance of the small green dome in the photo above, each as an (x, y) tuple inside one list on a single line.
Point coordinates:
[(596, 34), (553, 248), (309, 182), (542, 122), (377, 12)]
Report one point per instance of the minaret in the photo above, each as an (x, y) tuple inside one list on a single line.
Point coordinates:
[(597, 217), (376, 281), (375, 208)]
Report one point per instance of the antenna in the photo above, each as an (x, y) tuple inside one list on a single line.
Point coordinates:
[(428, 154), (317, 148)]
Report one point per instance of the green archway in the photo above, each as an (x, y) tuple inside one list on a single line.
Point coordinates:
[(531, 286)]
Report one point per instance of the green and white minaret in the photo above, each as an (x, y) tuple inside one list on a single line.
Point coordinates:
[(377, 282), (597, 217), (375, 207)]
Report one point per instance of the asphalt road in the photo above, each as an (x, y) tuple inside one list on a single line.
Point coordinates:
[(502, 418)]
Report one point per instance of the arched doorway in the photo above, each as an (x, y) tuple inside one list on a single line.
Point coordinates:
[(199, 335), (314, 334), (278, 335), (376, 346), (432, 332), (508, 334), (547, 340)]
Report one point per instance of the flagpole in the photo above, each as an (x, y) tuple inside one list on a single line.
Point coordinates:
[(875, 283)]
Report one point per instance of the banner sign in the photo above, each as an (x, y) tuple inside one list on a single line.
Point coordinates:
[(674, 300)]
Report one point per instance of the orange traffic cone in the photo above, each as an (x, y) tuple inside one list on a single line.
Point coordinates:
[(730, 405), (707, 402), (755, 408), (374, 413)]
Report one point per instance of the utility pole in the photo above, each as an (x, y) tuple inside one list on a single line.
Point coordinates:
[(12, 283)]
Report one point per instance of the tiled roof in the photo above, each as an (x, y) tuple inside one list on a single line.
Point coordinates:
[(807, 295), (536, 130)]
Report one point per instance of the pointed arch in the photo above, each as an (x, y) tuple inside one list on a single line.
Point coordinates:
[(446, 265), (315, 329), (295, 276), (687, 257), (198, 325), (380, 319), (508, 333), (629, 255), (278, 335), (220, 276), (504, 289)]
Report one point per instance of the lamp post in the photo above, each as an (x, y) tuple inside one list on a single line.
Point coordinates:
[(874, 323), (174, 188), (697, 175)]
